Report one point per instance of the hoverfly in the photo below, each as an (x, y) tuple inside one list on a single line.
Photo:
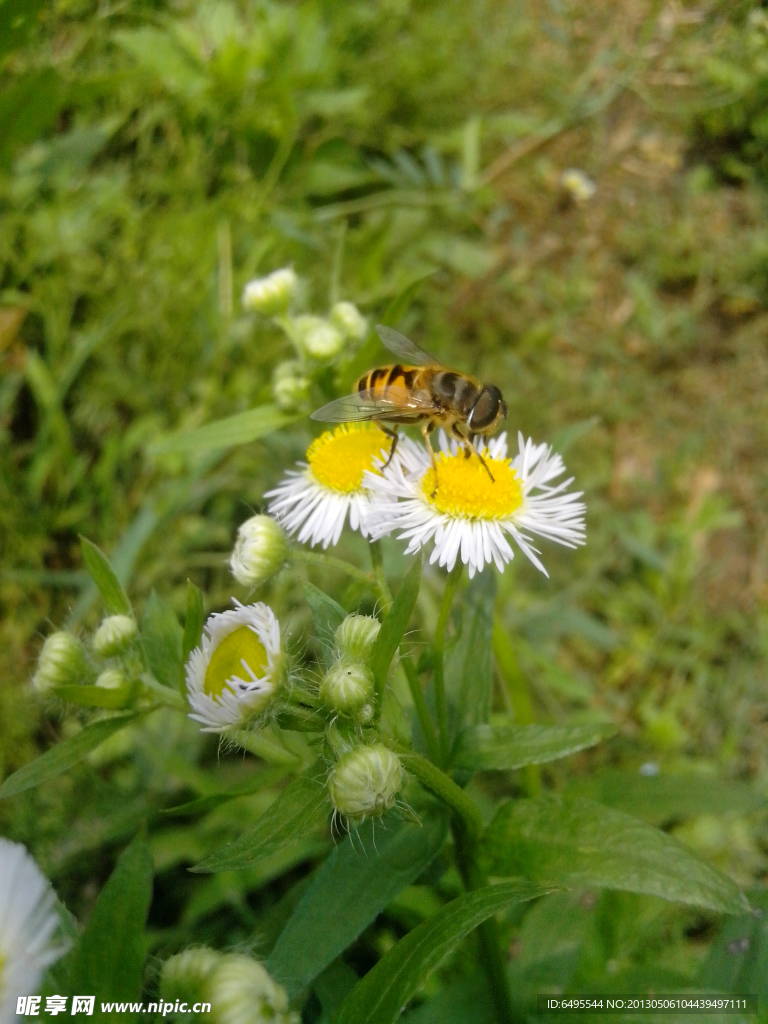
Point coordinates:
[(419, 391)]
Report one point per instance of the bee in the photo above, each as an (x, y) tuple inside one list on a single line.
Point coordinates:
[(420, 391)]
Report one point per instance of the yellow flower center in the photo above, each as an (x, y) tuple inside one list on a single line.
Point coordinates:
[(240, 645), (338, 458), (465, 490)]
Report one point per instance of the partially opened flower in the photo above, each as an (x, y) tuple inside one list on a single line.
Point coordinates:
[(317, 499), (233, 676), (468, 515), (28, 926)]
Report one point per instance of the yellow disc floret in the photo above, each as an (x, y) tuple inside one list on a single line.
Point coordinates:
[(241, 645), (338, 458), (465, 490)]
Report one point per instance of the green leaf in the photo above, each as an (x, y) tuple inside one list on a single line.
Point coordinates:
[(97, 696), (161, 639), (242, 428), (260, 780), (738, 959), (28, 108), (66, 753), (302, 807), (580, 843), (108, 960), (468, 670), (380, 996), (17, 22), (327, 615), (507, 747), (193, 628), (467, 1001), (103, 575), (394, 626), (352, 887)]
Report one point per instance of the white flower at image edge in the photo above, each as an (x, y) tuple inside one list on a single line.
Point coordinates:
[(234, 674), (468, 515), (316, 499), (28, 925)]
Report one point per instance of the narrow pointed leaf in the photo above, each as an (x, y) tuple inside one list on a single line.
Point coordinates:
[(161, 638), (358, 880), (66, 753), (301, 808), (394, 626), (97, 696), (468, 669), (507, 747), (103, 575), (327, 615), (382, 993), (108, 959), (579, 843), (242, 428)]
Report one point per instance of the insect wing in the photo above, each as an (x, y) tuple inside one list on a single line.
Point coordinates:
[(393, 404), (404, 348)]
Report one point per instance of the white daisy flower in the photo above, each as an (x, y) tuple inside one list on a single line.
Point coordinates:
[(28, 926), (233, 675), (469, 515), (316, 499)]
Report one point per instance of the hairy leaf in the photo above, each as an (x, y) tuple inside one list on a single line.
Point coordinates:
[(580, 843), (103, 575), (161, 638), (327, 615), (65, 754), (356, 882), (382, 993), (302, 807), (507, 747)]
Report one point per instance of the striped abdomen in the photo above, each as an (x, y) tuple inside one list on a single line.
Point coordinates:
[(383, 377)]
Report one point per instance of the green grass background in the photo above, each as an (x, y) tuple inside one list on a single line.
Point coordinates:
[(155, 156)]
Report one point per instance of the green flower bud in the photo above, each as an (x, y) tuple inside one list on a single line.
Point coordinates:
[(111, 679), (242, 992), (349, 320), (113, 635), (260, 551), (272, 294), (318, 338), (348, 688), (61, 663), (365, 782), (289, 385), (187, 975), (356, 636)]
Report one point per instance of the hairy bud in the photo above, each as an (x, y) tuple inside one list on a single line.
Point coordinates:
[(242, 992), (348, 689), (61, 663), (289, 385), (356, 636), (365, 782), (187, 975), (260, 550), (349, 320), (111, 679), (318, 338), (113, 635), (272, 294)]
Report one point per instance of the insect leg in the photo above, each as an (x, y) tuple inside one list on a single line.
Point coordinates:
[(469, 449), (426, 430), (395, 438)]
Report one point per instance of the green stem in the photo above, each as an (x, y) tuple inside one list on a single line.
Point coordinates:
[(165, 695), (330, 562), (445, 789), (517, 693), (491, 957), (377, 561), (439, 648), (422, 711)]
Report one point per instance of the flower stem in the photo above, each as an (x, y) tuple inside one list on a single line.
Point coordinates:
[(443, 787), (377, 561), (422, 711), (330, 562), (516, 693), (439, 648)]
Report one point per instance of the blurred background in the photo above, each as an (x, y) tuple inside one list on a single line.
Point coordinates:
[(565, 198)]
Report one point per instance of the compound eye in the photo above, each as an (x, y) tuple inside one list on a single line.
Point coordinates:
[(484, 411)]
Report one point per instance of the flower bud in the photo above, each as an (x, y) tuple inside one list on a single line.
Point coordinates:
[(113, 635), (348, 688), (578, 185), (186, 975), (289, 385), (242, 992), (272, 294), (349, 320), (356, 636), (61, 662), (318, 338), (365, 782), (260, 550), (111, 679)]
